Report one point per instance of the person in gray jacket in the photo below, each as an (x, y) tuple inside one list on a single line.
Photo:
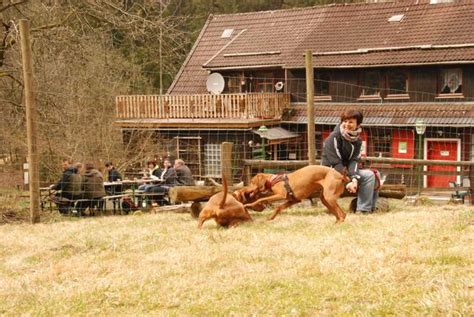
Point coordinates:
[(341, 150)]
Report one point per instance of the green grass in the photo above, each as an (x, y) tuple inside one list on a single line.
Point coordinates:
[(410, 261)]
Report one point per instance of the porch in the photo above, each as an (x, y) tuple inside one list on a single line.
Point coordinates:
[(242, 106)]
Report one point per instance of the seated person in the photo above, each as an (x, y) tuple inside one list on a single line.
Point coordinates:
[(153, 172), (113, 176), (342, 150), (69, 186), (168, 179), (183, 174), (93, 187)]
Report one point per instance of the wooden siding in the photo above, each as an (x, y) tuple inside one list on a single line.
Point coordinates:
[(225, 106)]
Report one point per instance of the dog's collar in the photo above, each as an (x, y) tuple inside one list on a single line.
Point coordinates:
[(268, 185)]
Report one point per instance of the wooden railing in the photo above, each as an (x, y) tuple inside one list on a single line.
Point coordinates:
[(225, 106)]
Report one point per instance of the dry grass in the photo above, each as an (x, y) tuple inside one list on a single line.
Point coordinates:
[(411, 261)]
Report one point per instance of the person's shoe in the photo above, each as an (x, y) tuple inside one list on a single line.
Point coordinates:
[(362, 212)]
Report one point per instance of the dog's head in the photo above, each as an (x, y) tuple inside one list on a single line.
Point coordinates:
[(247, 195), (261, 182)]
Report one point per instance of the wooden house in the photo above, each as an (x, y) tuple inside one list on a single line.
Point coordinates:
[(401, 63)]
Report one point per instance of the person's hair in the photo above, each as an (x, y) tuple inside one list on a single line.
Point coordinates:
[(152, 162), (179, 161), (352, 114), (89, 166), (78, 165), (108, 163)]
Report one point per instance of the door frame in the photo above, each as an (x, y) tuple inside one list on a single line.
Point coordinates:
[(425, 157)]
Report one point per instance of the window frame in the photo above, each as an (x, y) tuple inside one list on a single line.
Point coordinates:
[(320, 96), (401, 95), (441, 83), (379, 88)]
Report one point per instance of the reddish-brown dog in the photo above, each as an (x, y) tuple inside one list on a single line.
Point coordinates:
[(226, 210), (300, 185)]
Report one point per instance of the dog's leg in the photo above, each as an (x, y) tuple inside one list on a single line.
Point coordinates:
[(203, 217), (332, 205), (281, 207), (264, 200)]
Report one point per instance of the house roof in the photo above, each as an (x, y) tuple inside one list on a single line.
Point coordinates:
[(392, 114), (342, 35), (276, 133)]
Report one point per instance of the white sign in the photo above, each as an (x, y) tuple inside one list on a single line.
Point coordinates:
[(292, 156), (26, 178), (25, 166), (444, 153)]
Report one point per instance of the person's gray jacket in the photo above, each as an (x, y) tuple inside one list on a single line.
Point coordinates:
[(185, 176), (339, 153)]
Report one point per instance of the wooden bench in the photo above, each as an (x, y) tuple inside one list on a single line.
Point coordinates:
[(460, 192)]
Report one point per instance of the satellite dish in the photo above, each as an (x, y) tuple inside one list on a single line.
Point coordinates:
[(279, 85), (215, 83)]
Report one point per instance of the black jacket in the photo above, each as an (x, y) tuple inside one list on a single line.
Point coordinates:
[(70, 183), (169, 178), (339, 153), (114, 175)]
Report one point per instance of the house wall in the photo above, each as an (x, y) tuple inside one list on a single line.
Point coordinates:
[(346, 84)]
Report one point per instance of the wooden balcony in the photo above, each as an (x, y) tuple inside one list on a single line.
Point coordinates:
[(250, 106)]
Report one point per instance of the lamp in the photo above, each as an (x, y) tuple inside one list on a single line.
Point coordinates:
[(420, 126), (262, 129)]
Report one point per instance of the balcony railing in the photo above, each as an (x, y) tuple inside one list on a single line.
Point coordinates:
[(225, 106)]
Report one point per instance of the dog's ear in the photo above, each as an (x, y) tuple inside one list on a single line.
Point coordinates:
[(259, 181)]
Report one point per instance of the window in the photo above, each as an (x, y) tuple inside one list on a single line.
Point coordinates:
[(451, 81), (371, 83), (321, 83), (397, 83), (212, 160), (234, 83), (382, 145), (265, 82)]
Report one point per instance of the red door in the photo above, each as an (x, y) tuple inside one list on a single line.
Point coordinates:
[(442, 150)]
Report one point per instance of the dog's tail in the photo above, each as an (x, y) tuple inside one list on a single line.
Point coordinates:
[(224, 197)]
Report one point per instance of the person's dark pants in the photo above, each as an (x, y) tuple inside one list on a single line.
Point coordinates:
[(93, 204)]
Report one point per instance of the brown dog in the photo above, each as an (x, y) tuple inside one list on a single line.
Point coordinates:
[(300, 185), (224, 208)]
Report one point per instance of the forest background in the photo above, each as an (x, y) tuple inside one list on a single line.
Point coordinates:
[(86, 52)]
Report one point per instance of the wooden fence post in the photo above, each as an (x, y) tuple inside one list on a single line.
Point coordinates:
[(310, 105), (226, 161), (31, 118)]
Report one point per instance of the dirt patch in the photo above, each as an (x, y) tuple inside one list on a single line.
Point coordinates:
[(12, 179)]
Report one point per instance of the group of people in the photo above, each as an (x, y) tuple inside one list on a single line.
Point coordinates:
[(166, 176), (84, 182)]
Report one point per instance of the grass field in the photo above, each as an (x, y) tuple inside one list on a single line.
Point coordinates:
[(411, 261)]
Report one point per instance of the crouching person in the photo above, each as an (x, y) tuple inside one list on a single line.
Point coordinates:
[(93, 187), (341, 150)]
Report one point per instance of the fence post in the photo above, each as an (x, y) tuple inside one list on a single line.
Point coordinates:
[(226, 161), (471, 182), (31, 118), (310, 105)]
